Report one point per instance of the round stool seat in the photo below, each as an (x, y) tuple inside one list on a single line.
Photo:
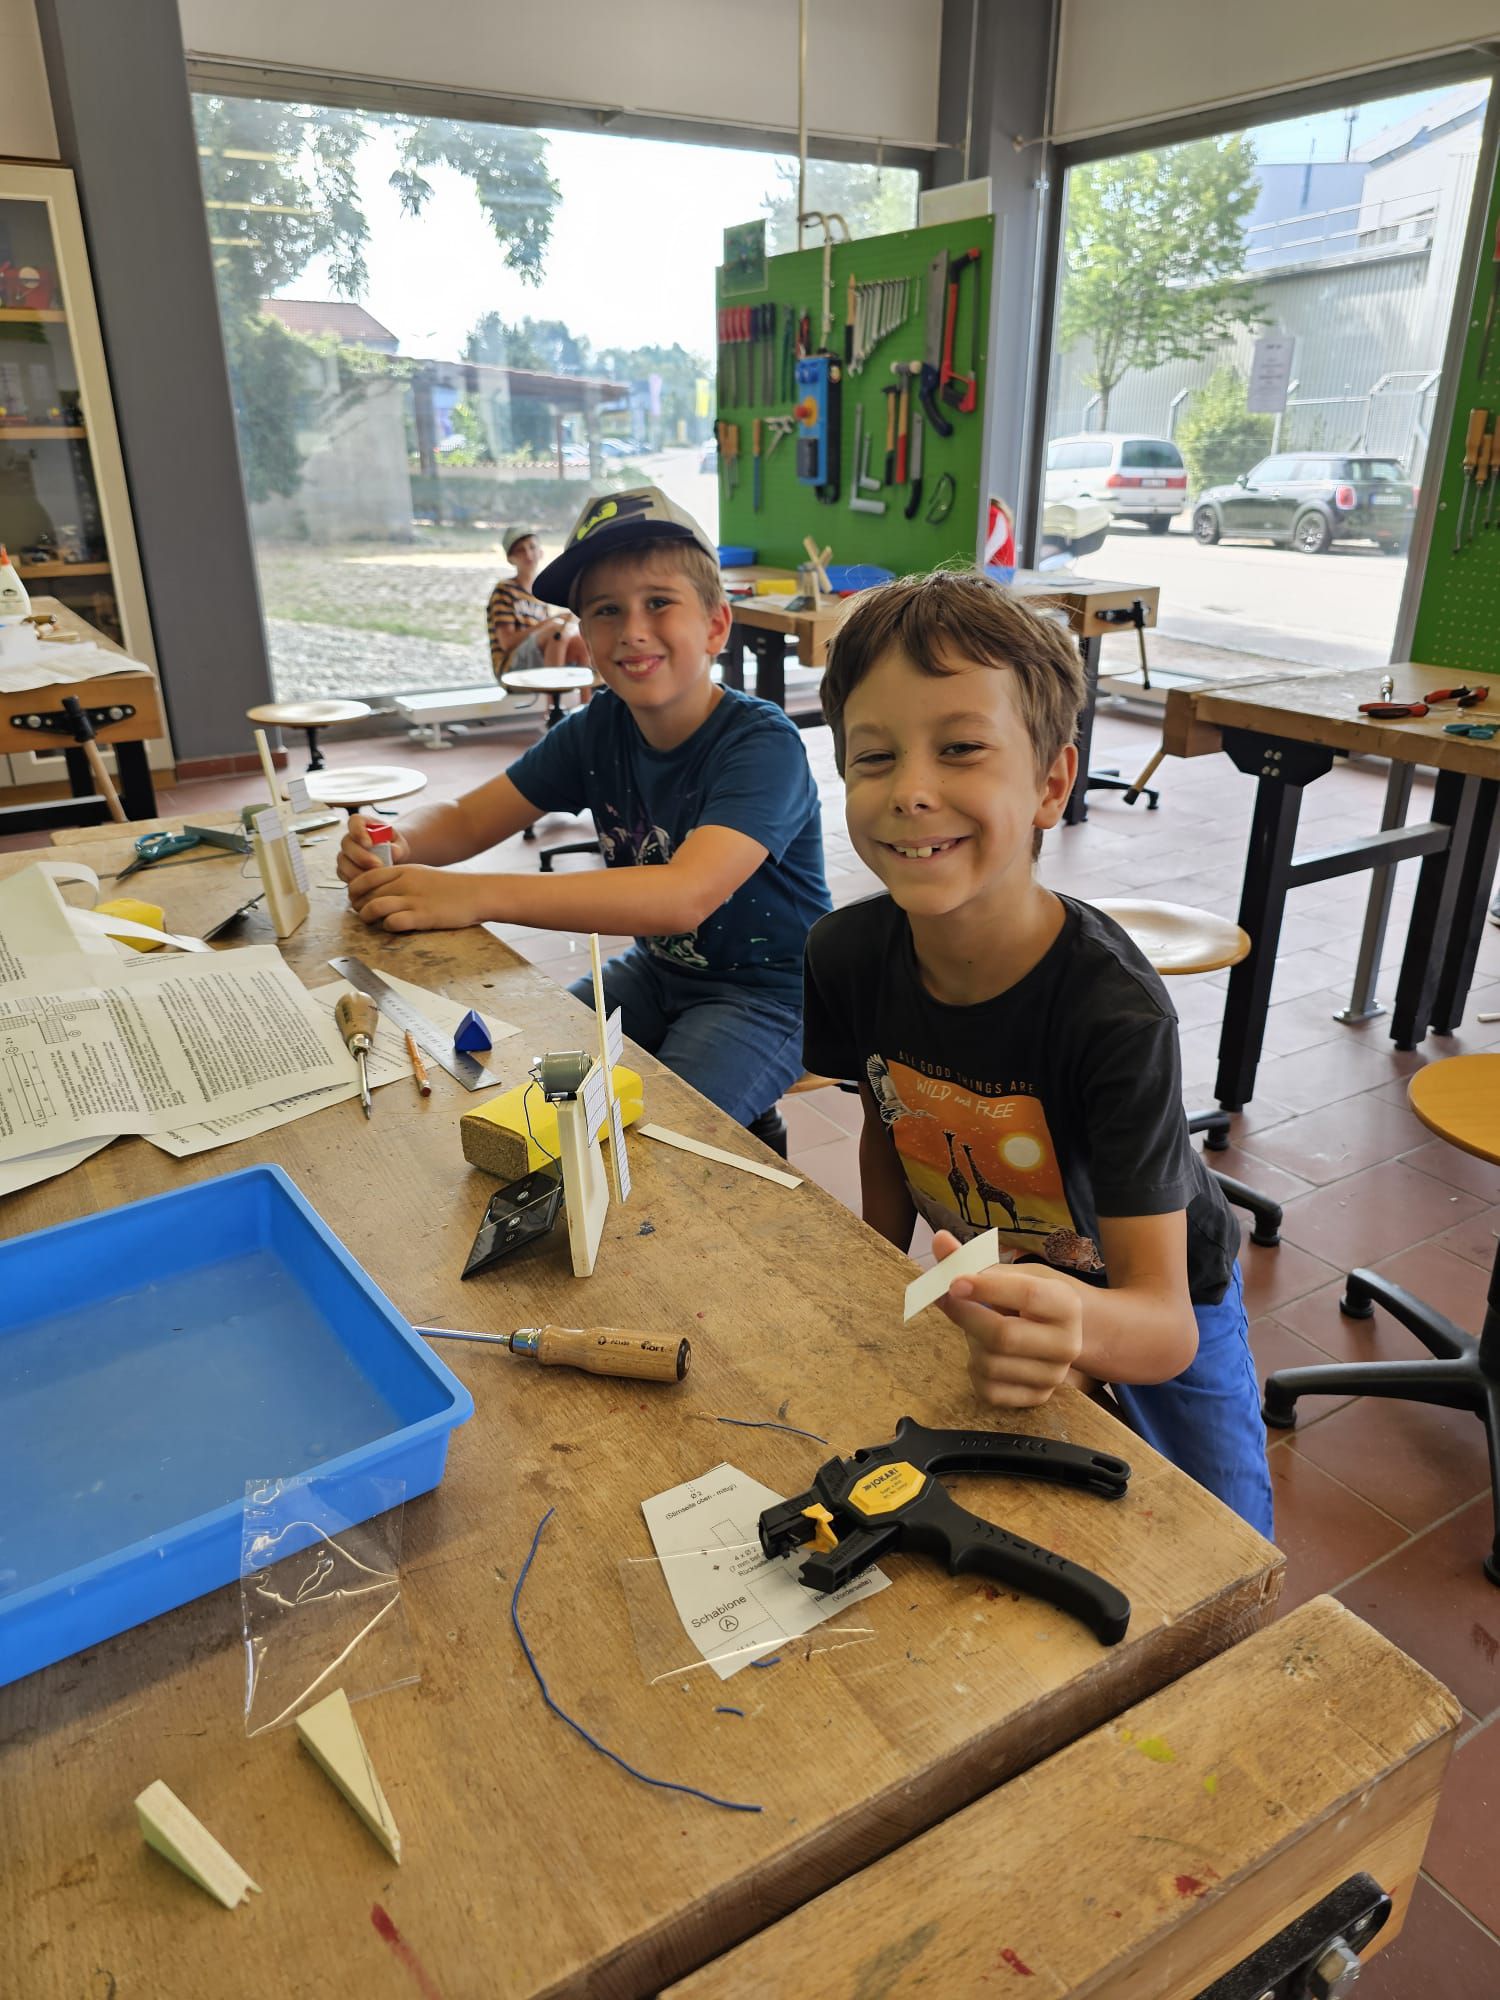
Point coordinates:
[(363, 784), (547, 680), (1459, 1099), (307, 714), (1177, 938)]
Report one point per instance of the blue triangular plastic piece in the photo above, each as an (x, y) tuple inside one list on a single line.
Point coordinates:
[(471, 1033)]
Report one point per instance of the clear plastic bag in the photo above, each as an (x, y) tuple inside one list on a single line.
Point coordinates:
[(320, 1594)]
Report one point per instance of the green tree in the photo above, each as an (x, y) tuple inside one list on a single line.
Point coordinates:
[(874, 201), (281, 188), (1154, 257), (546, 345), (1219, 437)]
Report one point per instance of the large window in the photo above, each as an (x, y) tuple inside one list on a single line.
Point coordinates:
[(1280, 530), (435, 328)]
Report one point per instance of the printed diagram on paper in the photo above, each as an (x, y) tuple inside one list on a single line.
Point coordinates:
[(735, 1605)]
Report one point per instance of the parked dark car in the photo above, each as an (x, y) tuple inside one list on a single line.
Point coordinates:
[(1309, 501)]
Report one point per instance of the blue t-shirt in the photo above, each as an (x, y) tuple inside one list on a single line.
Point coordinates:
[(744, 768)]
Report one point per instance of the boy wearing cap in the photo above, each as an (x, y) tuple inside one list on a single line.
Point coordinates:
[(705, 808), (525, 632)]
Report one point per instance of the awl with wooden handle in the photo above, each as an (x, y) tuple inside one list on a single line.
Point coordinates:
[(358, 1017), (598, 1350)]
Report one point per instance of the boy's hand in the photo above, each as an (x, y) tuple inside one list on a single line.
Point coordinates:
[(1024, 1325), (419, 899), (357, 851)]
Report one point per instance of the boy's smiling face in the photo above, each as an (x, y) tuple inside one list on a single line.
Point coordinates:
[(941, 784), (652, 640)]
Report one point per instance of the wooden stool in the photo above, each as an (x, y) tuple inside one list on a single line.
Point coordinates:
[(310, 716), (554, 682), (1459, 1099), (1177, 939), (357, 785)]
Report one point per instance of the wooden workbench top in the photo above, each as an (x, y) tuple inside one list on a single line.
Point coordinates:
[(1324, 708), (532, 1865)]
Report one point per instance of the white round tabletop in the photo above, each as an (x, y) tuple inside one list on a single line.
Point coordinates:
[(548, 680), (363, 784), (307, 714)]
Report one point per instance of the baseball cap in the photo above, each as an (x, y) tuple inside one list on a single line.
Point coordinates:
[(608, 522), (512, 535)]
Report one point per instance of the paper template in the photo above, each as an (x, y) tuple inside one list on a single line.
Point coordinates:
[(735, 1605), (94, 1048), (978, 1254)]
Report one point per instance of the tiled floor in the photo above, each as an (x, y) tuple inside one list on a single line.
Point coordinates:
[(1384, 1504)]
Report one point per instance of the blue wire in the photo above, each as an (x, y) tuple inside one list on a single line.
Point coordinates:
[(750, 1424), (663, 1784)]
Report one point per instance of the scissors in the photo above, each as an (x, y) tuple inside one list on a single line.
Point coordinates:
[(151, 847), (1480, 731)]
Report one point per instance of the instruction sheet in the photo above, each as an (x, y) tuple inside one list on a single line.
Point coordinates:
[(736, 1605), (91, 1048)]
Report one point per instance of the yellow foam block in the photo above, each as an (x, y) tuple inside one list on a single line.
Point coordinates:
[(136, 913), (495, 1135), (776, 586)]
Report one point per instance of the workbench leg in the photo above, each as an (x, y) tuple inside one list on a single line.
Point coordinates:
[(1273, 835), (1434, 911), (1476, 871), (1076, 811), (80, 777), (732, 659), (137, 792), (769, 649), (1363, 1004)]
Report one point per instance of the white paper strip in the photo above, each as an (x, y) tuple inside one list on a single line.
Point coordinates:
[(686, 1145), (978, 1254)]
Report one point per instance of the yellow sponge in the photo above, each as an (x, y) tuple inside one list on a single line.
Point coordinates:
[(495, 1136), (136, 913)]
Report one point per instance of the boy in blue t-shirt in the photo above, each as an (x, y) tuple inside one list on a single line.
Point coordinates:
[(706, 812)]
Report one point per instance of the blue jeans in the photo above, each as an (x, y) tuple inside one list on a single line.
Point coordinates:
[(1207, 1419), (738, 1045)]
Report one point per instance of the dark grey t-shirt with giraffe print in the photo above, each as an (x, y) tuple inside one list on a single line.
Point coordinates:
[(1034, 1113)]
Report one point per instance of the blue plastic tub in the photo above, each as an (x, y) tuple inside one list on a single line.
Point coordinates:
[(156, 1357), (857, 576), (735, 555)]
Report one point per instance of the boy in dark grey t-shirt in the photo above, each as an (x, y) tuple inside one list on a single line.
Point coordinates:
[(1017, 1057)]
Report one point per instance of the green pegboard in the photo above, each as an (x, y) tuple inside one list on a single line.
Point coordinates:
[(1458, 612), (789, 510)]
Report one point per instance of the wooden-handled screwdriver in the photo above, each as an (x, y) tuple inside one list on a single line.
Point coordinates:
[(1483, 472), (358, 1017), (598, 1350), (1478, 421)]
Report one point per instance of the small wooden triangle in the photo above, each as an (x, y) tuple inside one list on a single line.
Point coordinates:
[(171, 1829), (329, 1731)]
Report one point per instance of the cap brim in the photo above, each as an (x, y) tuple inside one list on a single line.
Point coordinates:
[(555, 582)]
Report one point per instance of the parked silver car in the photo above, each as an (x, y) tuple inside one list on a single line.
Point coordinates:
[(1136, 478)]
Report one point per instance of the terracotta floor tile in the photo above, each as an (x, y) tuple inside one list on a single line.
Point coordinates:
[(1432, 1598), (1273, 1276), (1339, 1139), (1416, 1461), (1322, 1074), (1274, 1345), (1326, 1532), (1460, 1170), (1474, 1237), (834, 1167), (807, 1125), (1244, 1165), (1362, 1217), (1461, 1853), (1449, 1284)]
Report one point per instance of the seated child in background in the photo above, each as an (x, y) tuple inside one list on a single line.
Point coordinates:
[(705, 808), (525, 632), (1016, 1055)]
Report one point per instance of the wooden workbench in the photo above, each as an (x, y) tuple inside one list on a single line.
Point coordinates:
[(127, 734), (531, 1865), (1285, 732)]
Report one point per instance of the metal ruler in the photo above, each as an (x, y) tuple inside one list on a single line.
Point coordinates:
[(470, 1072)]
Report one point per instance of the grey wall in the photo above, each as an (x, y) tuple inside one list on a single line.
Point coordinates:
[(1012, 61), (124, 124)]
